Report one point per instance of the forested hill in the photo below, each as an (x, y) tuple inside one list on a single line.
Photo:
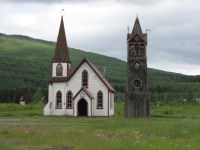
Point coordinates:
[(25, 63)]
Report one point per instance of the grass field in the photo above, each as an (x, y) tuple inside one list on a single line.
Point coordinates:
[(173, 128)]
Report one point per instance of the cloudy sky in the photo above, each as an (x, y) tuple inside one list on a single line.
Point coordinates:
[(100, 26)]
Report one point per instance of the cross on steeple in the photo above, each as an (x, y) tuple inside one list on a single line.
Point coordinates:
[(62, 11)]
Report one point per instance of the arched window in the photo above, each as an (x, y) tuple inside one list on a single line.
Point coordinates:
[(69, 99), (142, 49), (137, 49), (85, 78), (99, 99), (59, 100), (131, 49), (59, 70)]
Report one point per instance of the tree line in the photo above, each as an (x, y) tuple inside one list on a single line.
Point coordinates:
[(29, 95), (181, 92)]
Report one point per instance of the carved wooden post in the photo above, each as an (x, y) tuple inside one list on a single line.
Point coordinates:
[(137, 100)]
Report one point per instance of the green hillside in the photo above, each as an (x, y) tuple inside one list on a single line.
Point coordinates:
[(25, 63), (25, 69)]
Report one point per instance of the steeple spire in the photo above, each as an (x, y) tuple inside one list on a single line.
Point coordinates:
[(61, 53), (137, 28)]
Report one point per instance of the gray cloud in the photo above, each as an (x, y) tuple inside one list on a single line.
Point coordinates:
[(101, 27), (136, 2)]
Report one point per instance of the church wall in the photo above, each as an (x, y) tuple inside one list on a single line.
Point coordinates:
[(64, 65), (53, 89), (111, 111), (94, 85)]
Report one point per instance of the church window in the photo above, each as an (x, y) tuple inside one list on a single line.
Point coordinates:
[(85, 78), (137, 83), (136, 65), (99, 99), (142, 49), (59, 100), (137, 48), (69, 99), (131, 50), (59, 70)]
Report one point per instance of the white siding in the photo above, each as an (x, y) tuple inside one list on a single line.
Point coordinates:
[(53, 89), (111, 112), (94, 85)]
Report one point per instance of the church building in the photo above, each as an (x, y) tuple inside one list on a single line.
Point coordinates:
[(82, 91)]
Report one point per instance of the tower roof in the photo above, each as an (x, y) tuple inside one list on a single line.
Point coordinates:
[(61, 53), (137, 28)]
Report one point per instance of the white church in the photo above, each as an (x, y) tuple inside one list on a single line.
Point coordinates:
[(82, 91)]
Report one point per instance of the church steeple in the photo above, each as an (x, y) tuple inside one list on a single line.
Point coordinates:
[(137, 99), (61, 53), (137, 28)]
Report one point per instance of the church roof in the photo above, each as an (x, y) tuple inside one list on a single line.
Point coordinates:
[(136, 31), (57, 79), (86, 91), (61, 53), (136, 27), (106, 83)]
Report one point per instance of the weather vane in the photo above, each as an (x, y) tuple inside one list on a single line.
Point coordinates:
[(147, 30), (62, 11)]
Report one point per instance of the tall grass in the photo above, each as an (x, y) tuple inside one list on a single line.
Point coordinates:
[(102, 133), (151, 133), (18, 107), (186, 111)]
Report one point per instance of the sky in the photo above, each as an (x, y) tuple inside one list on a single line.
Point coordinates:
[(100, 26)]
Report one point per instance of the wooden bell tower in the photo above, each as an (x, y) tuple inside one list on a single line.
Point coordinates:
[(137, 100)]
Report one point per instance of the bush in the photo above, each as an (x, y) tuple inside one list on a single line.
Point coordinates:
[(167, 112)]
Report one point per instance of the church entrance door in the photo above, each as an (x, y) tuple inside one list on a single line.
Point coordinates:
[(82, 108)]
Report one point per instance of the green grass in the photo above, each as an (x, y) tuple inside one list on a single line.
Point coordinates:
[(17, 107), (31, 130), (152, 133), (186, 111)]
